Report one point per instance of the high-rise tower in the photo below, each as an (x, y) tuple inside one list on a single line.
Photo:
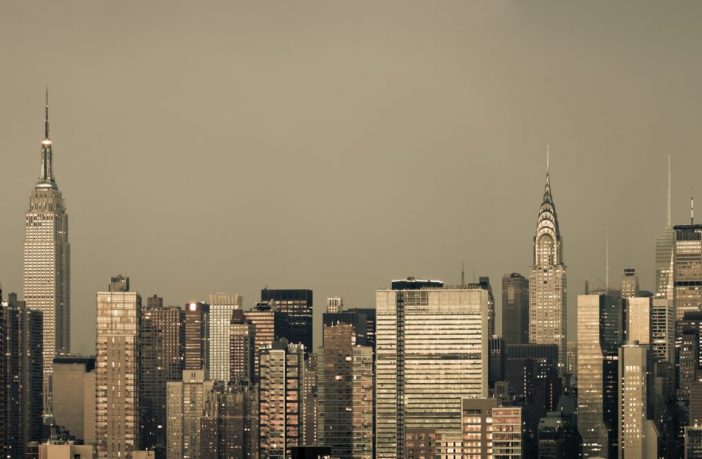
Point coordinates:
[(547, 280), (47, 261)]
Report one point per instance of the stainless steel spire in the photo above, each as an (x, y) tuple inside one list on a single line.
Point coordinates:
[(46, 175), (547, 278)]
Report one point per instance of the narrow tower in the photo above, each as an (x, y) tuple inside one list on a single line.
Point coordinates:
[(547, 280), (46, 275)]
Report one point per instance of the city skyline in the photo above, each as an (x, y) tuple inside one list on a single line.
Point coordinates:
[(608, 166)]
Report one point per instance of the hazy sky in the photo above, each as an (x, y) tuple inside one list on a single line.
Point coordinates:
[(336, 145)]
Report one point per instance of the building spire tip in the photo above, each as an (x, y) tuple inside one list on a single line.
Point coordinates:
[(46, 114)]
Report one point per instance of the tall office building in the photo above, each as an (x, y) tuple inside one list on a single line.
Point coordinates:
[(47, 265), (228, 427), (431, 352), (23, 376), (591, 418), (242, 348), (629, 284), (117, 370), (185, 408), (221, 307), (547, 281), (296, 306), (638, 319), (663, 330), (346, 378), (687, 269), (281, 418), (162, 341), (515, 308), (197, 336), (665, 241), (489, 430), (637, 437), (270, 324)]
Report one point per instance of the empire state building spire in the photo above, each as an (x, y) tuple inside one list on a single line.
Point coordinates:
[(47, 266), (46, 175)]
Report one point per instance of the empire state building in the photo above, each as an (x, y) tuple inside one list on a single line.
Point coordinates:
[(46, 274), (547, 280)]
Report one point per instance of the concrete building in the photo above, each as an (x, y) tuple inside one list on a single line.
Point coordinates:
[(117, 370), (72, 387), (229, 425), (65, 451), (269, 326), (515, 308), (345, 372), (221, 307), (548, 281), (281, 417), (431, 352), (185, 409), (637, 436), (47, 265)]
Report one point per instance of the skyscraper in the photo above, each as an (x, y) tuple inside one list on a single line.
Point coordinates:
[(591, 423), (432, 349), (515, 309), (296, 305), (629, 283), (73, 376), (162, 342), (220, 316), (197, 336), (269, 323), (281, 399), (637, 437), (687, 269), (242, 348), (665, 241), (335, 304), (345, 374), (547, 280), (22, 363), (484, 283), (47, 261), (185, 408), (228, 427), (638, 319), (117, 370)]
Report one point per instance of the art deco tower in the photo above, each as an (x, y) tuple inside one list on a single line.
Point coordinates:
[(547, 280), (47, 261)]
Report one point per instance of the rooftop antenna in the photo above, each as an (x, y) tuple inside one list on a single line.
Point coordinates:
[(548, 154), (692, 208), (607, 258), (668, 221), (463, 274)]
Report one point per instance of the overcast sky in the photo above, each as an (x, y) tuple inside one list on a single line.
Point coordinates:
[(336, 145)]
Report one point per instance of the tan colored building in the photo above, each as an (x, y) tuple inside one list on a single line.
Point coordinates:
[(117, 370), (67, 451), (638, 319), (185, 409), (431, 352), (71, 392)]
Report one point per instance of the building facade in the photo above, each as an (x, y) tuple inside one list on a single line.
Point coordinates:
[(185, 409), (162, 340), (515, 308), (117, 370), (431, 352), (296, 306), (221, 307)]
